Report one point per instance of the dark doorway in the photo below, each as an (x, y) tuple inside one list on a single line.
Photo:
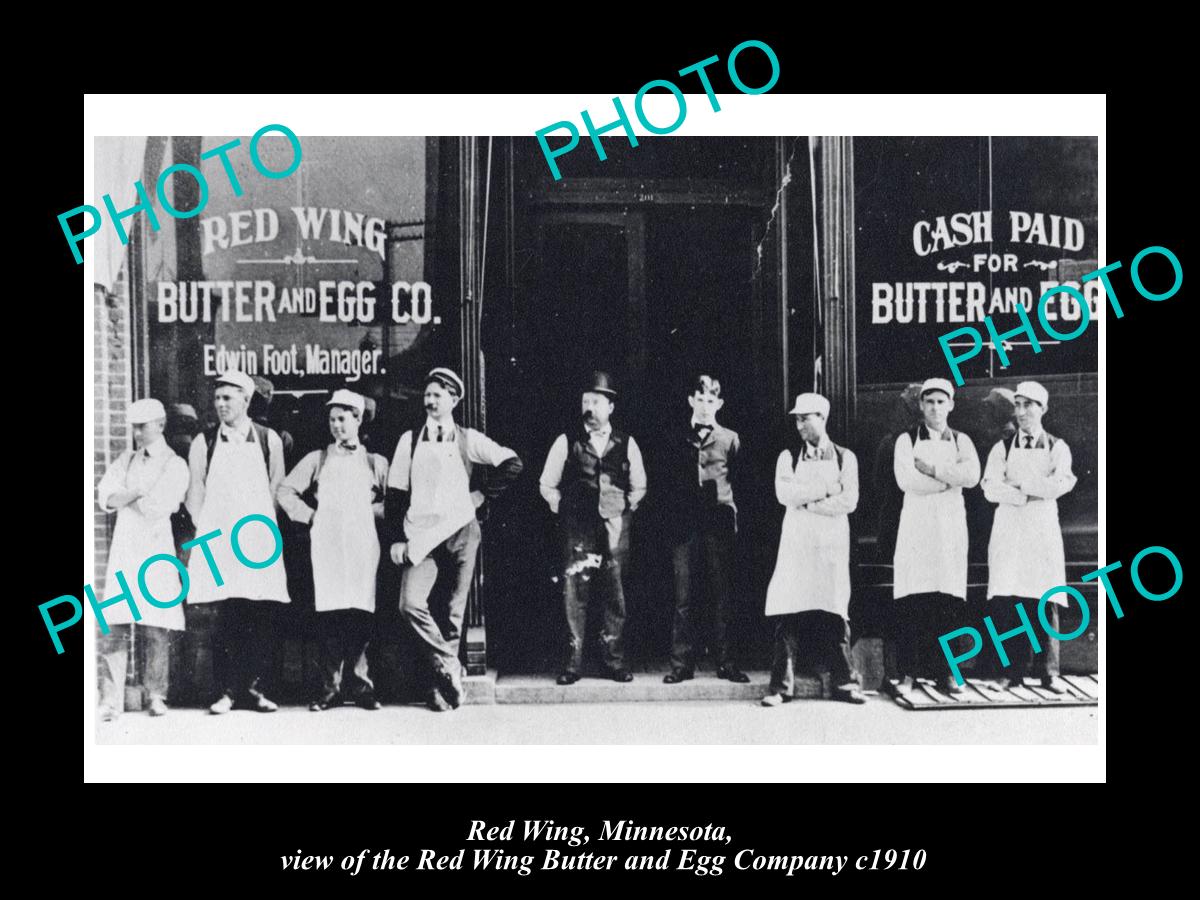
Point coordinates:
[(655, 295)]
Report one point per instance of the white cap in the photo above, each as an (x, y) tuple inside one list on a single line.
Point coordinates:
[(238, 379), (1031, 390), (810, 403), (447, 379), (143, 411), (937, 384), (343, 397)]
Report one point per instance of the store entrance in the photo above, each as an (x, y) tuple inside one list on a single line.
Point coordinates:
[(654, 295)]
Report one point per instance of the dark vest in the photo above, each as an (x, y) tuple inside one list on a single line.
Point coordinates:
[(593, 484)]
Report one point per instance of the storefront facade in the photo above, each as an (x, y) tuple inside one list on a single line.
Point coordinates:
[(777, 264)]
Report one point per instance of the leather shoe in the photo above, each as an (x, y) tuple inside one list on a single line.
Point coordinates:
[(567, 678), (1054, 684), (260, 703), (732, 673), (367, 701), (677, 675), (449, 683), (158, 706), (223, 705), (948, 686), (850, 695), (773, 700), (437, 702), (622, 675)]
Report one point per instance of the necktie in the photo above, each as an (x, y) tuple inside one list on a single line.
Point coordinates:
[(348, 447), (1028, 440), (439, 437)]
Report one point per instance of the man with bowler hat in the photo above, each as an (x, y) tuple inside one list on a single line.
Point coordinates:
[(593, 481)]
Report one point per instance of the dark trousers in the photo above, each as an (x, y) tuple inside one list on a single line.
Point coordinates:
[(244, 640), (920, 620), (607, 540), (343, 635), (453, 563), (1022, 660), (817, 638), (112, 651), (703, 560)]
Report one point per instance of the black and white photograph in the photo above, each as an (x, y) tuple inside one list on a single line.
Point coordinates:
[(439, 448)]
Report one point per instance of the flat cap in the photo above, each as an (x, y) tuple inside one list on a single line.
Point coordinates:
[(238, 380), (1031, 390), (810, 403), (143, 411), (343, 397), (447, 379), (937, 384)]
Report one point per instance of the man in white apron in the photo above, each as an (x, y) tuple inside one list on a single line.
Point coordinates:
[(345, 487), (932, 465), (432, 513), (144, 487), (236, 468), (593, 481), (1025, 475), (809, 593)]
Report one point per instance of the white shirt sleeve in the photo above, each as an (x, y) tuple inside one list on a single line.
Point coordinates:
[(637, 475), (994, 487), (197, 466), (1060, 480), (113, 480), (845, 502), (552, 472), (482, 449), (168, 491), (401, 463), (907, 476), (964, 471)]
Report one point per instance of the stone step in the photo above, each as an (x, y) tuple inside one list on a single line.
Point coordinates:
[(646, 686)]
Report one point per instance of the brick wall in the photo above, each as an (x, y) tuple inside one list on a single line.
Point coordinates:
[(111, 436)]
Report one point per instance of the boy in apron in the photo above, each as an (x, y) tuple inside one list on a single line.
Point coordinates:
[(593, 481), (236, 469), (144, 487), (432, 510), (932, 464), (346, 486), (809, 593), (1025, 476)]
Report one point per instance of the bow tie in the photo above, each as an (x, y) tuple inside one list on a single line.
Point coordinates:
[(701, 430), (349, 447)]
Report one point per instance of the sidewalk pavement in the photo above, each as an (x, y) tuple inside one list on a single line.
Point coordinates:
[(802, 721)]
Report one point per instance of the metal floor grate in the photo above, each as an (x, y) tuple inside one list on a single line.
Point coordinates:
[(1083, 690)]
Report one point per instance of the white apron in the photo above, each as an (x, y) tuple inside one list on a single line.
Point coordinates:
[(931, 543), (237, 486), (1025, 554), (812, 570), (345, 545), (441, 496), (135, 539)]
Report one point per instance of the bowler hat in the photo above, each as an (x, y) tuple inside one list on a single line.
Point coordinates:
[(600, 383)]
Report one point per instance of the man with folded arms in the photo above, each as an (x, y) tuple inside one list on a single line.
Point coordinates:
[(144, 486), (1025, 476)]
